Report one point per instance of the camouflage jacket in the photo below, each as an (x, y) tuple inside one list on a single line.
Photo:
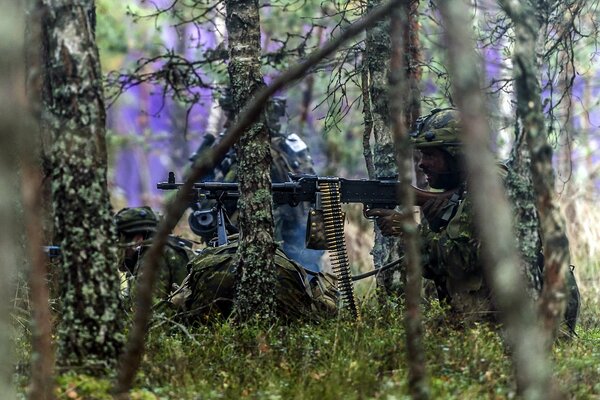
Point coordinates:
[(451, 248), (209, 289), (172, 267), (452, 260)]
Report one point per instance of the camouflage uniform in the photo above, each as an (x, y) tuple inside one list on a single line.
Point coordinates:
[(208, 291), (141, 222), (290, 155), (451, 245)]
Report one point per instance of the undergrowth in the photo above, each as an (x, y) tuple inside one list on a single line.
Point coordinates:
[(339, 359)]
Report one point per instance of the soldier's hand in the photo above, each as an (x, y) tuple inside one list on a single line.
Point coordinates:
[(388, 221)]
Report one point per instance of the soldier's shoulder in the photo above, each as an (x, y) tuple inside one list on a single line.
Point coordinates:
[(294, 152), (179, 247)]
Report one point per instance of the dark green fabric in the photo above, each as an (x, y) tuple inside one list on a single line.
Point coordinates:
[(453, 261), (135, 219), (209, 290), (171, 273)]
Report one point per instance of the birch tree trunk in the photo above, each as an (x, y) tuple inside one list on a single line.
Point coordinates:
[(377, 124), (529, 110), (255, 295), (401, 105), (492, 213), (90, 332)]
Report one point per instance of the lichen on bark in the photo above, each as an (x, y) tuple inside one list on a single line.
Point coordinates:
[(377, 59), (90, 330), (255, 294)]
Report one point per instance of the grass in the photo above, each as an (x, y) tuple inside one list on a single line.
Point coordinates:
[(339, 359), (344, 360)]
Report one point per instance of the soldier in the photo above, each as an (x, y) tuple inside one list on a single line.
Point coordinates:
[(135, 227), (451, 245), (207, 293), (290, 155)]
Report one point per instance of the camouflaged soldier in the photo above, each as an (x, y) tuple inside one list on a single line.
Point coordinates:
[(290, 155), (135, 227), (451, 245), (208, 291)]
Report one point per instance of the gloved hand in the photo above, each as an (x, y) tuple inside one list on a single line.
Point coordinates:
[(388, 221)]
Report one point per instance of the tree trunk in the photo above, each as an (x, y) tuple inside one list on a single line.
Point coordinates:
[(401, 105), (12, 131), (377, 123), (36, 92), (492, 213), (37, 211), (91, 325), (529, 110), (255, 295)]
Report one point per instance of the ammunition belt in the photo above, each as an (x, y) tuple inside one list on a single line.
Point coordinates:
[(334, 232)]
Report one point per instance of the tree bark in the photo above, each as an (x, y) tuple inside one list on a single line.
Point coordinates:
[(377, 123), (90, 332), (401, 105), (12, 131), (37, 209), (501, 262), (42, 364), (529, 110), (255, 293), (37, 91)]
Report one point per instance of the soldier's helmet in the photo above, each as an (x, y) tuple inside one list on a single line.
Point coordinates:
[(275, 109), (440, 128), (136, 220)]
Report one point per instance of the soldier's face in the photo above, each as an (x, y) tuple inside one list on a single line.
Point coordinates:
[(132, 250), (436, 168)]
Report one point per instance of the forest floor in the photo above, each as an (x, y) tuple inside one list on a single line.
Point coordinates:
[(341, 360)]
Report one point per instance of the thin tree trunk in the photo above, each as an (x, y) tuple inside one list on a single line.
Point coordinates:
[(12, 130), (37, 207), (377, 58), (501, 262), (412, 51), (91, 325), (35, 57), (401, 104), (42, 365), (174, 209), (529, 109), (255, 293)]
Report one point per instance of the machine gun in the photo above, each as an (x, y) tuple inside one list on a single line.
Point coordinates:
[(372, 194), (327, 194)]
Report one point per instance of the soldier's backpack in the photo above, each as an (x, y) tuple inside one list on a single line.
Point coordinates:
[(208, 291)]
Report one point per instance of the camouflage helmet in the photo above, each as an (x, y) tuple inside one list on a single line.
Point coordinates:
[(440, 128), (275, 107), (136, 219)]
